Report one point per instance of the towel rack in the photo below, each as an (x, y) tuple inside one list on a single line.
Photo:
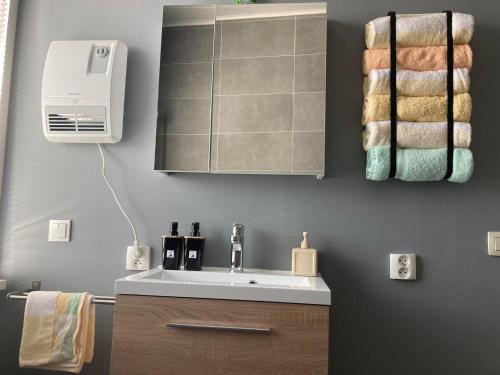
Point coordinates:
[(36, 285)]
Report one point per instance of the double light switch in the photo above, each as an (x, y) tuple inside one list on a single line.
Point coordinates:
[(59, 230), (494, 244)]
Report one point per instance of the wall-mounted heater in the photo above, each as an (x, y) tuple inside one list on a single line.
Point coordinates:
[(83, 91)]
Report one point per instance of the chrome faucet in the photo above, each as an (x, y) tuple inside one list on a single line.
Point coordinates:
[(237, 248)]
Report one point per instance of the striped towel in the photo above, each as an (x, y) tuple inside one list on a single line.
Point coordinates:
[(58, 331)]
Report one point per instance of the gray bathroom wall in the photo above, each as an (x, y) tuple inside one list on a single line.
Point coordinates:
[(446, 322)]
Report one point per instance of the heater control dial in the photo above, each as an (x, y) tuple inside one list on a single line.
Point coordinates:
[(101, 51)]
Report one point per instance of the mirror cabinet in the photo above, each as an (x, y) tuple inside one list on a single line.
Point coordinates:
[(242, 89)]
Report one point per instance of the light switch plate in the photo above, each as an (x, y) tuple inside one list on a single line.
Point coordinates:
[(494, 244), (59, 230)]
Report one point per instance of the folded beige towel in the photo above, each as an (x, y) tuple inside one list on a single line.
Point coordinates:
[(417, 30), (412, 83), (417, 58), (420, 135), (421, 108), (58, 331)]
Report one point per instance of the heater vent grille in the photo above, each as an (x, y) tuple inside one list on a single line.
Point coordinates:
[(76, 122)]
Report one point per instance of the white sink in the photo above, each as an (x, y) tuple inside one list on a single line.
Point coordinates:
[(219, 283)]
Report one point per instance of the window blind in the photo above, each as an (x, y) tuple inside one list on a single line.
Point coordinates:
[(8, 16)]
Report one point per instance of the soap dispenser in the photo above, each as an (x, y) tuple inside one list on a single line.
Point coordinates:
[(304, 259), (193, 249), (172, 248)]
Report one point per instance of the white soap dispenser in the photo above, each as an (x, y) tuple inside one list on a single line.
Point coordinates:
[(304, 259)]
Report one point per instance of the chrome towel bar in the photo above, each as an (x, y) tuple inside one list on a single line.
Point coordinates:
[(36, 285)]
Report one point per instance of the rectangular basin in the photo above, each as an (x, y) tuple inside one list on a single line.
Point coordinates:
[(219, 283)]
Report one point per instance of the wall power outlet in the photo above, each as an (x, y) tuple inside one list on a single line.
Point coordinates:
[(138, 260), (403, 266)]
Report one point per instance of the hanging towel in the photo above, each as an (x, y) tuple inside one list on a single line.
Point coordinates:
[(421, 108), (417, 58), (412, 83), (414, 30), (420, 135), (419, 165), (58, 331)]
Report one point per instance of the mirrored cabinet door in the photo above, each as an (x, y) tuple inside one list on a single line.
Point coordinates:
[(244, 92), (269, 90), (185, 89)]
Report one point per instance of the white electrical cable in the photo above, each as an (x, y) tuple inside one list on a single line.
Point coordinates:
[(136, 242)]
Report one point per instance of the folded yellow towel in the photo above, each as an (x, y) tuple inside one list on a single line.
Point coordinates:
[(419, 109), (416, 135), (412, 83), (413, 30), (417, 58), (58, 331)]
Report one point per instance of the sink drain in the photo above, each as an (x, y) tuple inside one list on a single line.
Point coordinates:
[(252, 282)]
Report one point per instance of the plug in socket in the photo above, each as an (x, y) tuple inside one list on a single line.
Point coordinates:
[(138, 260)]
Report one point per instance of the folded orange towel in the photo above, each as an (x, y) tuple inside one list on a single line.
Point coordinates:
[(417, 58)]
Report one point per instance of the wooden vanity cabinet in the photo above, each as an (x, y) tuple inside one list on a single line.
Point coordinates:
[(189, 336)]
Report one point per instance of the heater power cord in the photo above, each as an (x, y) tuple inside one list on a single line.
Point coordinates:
[(103, 173)]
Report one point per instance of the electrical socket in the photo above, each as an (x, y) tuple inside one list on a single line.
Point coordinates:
[(403, 266), (138, 262)]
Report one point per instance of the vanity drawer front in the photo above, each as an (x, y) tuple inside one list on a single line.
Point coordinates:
[(164, 335)]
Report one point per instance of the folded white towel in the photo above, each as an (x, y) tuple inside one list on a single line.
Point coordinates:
[(419, 30), (417, 135), (413, 83)]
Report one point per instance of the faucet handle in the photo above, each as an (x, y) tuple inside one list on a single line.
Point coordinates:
[(237, 235), (238, 229)]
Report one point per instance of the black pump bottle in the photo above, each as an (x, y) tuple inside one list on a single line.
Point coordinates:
[(172, 248), (193, 249)]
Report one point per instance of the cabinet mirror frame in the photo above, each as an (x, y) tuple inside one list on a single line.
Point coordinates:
[(242, 89)]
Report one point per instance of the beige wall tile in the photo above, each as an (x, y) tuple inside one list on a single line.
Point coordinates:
[(256, 113), (257, 38), (215, 114), (185, 81), (216, 79), (255, 152), (309, 111), (184, 116), (217, 40), (308, 151), (182, 153), (262, 75), (213, 152), (310, 36), (187, 44), (310, 73)]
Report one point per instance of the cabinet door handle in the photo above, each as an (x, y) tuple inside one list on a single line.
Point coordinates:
[(214, 327)]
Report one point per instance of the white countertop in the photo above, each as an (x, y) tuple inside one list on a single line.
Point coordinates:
[(219, 283)]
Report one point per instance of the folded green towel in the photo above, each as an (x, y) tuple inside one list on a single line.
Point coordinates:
[(419, 164)]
